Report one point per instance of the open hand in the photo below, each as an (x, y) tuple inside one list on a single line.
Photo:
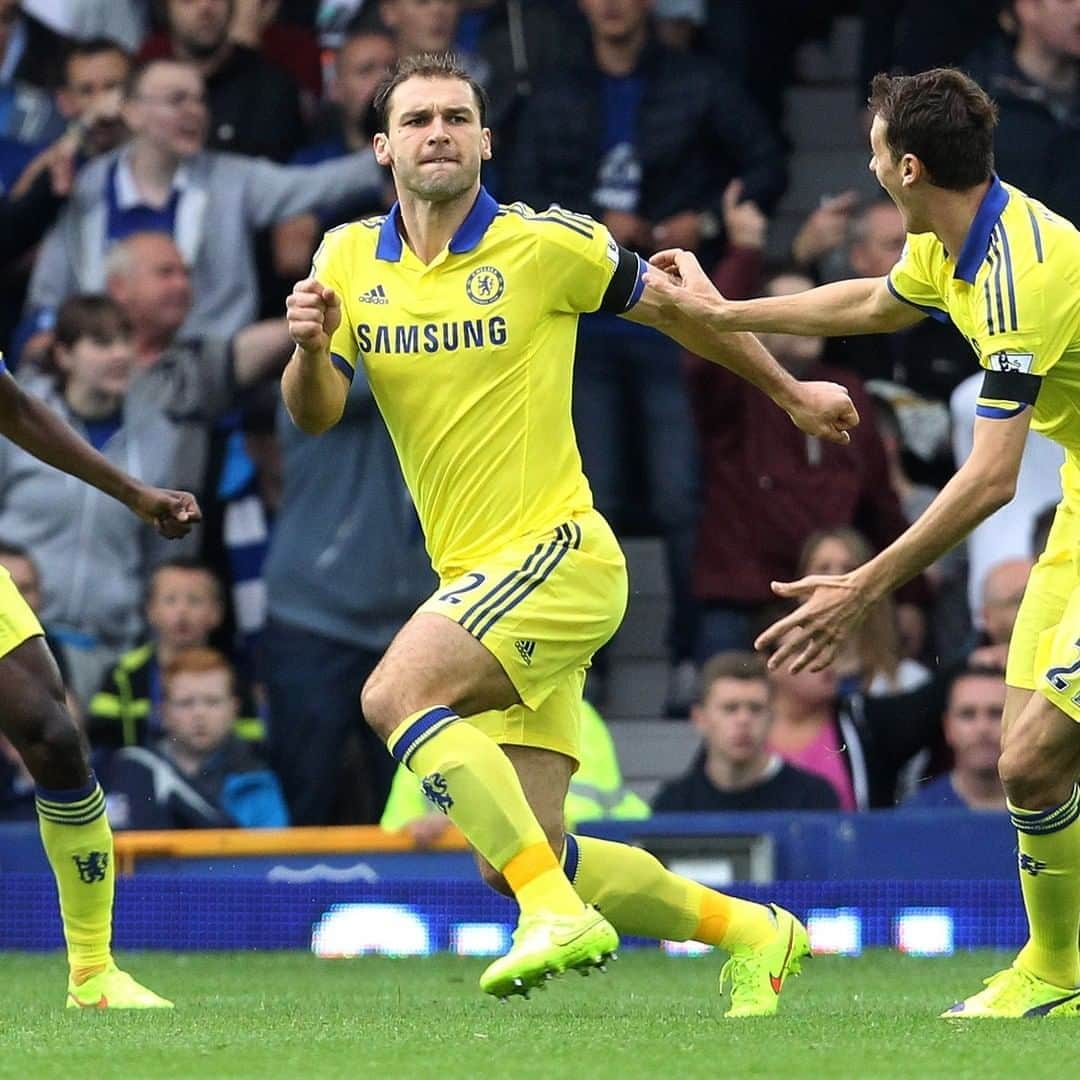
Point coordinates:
[(811, 636), (172, 513), (313, 311), (824, 409)]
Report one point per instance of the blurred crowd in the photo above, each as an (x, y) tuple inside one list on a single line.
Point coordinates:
[(167, 169)]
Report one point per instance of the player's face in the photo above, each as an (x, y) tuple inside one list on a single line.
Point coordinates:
[(734, 719), (183, 608), (97, 368), (200, 709), (435, 143), (973, 722), (169, 110), (24, 575), (887, 170), (361, 64)]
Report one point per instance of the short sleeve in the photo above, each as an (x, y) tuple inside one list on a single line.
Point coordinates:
[(912, 282), (329, 268), (577, 259)]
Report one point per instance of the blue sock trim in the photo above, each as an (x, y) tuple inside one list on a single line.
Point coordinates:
[(571, 857), (420, 730), (1043, 822), (68, 795)]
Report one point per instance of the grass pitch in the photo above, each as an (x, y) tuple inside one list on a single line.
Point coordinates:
[(274, 1015)]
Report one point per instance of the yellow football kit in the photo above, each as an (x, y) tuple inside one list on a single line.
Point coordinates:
[(470, 359), (1014, 292), (17, 621)]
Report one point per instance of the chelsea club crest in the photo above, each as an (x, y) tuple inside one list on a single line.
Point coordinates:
[(484, 285)]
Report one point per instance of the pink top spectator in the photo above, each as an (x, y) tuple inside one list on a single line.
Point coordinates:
[(823, 758)]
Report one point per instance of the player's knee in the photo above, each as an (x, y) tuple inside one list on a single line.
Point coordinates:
[(53, 746), (376, 703), (1032, 778)]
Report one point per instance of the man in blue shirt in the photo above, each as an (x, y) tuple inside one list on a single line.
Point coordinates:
[(972, 724)]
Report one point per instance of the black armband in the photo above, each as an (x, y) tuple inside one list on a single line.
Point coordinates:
[(626, 286), (1019, 386)]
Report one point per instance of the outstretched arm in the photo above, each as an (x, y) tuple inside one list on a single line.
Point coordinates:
[(833, 605), (39, 431), (859, 306), (823, 409)]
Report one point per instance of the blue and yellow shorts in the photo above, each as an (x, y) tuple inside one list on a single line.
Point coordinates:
[(542, 606), (17, 621)]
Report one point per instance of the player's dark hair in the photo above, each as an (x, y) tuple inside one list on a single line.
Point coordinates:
[(443, 65), (944, 118), (732, 664)]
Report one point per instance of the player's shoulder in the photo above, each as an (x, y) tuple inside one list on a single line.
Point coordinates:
[(351, 239), (553, 226)]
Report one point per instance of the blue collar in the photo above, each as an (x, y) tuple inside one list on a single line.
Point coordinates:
[(977, 241), (470, 232)]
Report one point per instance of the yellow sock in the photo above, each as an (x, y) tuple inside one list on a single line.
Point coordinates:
[(79, 844), (1050, 882), (468, 777), (640, 896)]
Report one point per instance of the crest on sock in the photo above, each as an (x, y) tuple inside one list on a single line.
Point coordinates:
[(434, 786)]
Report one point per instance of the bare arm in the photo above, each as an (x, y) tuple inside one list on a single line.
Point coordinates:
[(835, 604), (858, 306), (28, 423), (818, 408), (260, 349), (314, 389)]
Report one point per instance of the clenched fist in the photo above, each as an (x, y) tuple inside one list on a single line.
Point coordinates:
[(313, 312)]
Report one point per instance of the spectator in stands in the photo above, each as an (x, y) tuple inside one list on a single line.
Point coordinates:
[(1002, 591), (1006, 533), (199, 775), (29, 62), (183, 609), (597, 791), (600, 136), (292, 47), (346, 568), (253, 105), (873, 661), (972, 726), (195, 381), (1035, 81), (859, 744), (735, 769), (360, 64), (39, 180), (767, 486), (94, 555), (122, 21), (210, 202), (17, 787)]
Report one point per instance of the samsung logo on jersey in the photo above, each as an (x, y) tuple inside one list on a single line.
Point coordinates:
[(432, 337)]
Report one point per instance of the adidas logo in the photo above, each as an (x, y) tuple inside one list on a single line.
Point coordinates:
[(374, 296), (525, 650)]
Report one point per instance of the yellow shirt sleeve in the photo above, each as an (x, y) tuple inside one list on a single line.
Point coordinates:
[(577, 258), (912, 280), (329, 268)]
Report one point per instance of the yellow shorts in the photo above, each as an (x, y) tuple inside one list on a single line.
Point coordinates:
[(1044, 652), (542, 606), (17, 621)]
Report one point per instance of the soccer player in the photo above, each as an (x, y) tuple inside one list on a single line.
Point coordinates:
[(34, 716), (463, 313), (1006, 270)]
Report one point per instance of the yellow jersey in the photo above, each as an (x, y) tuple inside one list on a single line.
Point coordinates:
[(1014, 292), (470, 359)]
